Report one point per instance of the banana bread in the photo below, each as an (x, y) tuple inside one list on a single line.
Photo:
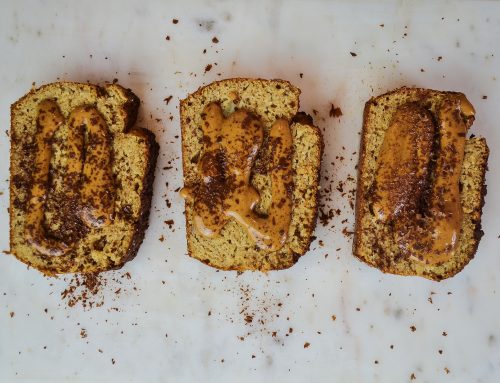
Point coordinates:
[(420, 185), (271, 150), (81, 178)]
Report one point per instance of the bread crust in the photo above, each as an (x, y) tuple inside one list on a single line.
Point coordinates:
[(130, 110), (361, 201), (317, 160)]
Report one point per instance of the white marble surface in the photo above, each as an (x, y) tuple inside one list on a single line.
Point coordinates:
[(177, 320)]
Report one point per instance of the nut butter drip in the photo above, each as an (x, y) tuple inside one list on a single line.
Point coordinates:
[(48, 122), (402, 174), (431, 234), (97, 191), (231, 146), (88, 185)]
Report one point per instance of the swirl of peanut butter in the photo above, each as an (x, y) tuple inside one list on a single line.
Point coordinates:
[(230, 148), (97, 191), (48, 122), (88, 183), (430, 235)]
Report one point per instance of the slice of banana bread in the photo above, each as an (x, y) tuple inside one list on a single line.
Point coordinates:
[(376, 241), (81, 178), (264, 102)]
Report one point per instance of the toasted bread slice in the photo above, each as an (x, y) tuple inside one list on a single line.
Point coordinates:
[(58, 175), (270, 100), (374, 241)]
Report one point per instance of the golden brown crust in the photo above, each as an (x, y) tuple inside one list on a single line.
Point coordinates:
[(129, 104), (388, 265)]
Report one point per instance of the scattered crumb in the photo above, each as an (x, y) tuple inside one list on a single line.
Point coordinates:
[(353, 54), (175, 21), (208, 67), (484, 97), (83, 333), (167, 99), (334, 318), (215, 40), (413, 328), (335, 112), (307, 344), (12, 313)]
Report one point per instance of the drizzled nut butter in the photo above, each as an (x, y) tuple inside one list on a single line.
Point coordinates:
[(416, 189), (230, 148), (88, 186)]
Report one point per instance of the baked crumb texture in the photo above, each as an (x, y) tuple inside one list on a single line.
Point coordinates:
[(374, 242), (270, 100), (134, 156)]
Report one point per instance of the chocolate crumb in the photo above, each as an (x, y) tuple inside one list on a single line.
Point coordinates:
[(167, 99), (208, 67), (215, 40), (307, 344), (484, 97), (413, 328), (353, 54), (167, 38), (12, 313), (335, 112), (175, 21)]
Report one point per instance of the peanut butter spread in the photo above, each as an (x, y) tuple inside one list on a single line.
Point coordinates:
[(230, 148), (416, 187), (88, 183), (403, 165)]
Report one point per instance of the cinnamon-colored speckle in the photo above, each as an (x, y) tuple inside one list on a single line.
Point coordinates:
[(335, 111)]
